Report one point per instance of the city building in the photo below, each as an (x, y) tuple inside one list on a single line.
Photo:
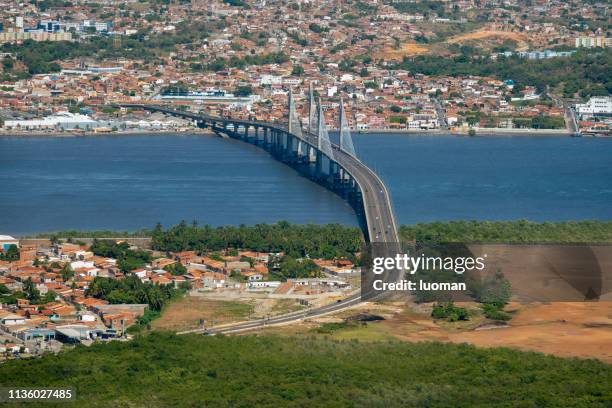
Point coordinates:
[(592, 42), (6, 241), (596, 106), (61, 121)]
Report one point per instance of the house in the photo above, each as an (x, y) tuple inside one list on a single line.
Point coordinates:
[(86, 317), (252, 276), (263, 284), (11, 319)]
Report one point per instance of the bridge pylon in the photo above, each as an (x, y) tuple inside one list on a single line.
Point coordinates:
[(346, 141), (312, 110), (323, 142), (294, 122)]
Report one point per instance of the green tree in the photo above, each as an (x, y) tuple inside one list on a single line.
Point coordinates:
[(298, 70), (12, 253), (32, 294), (243, 90)]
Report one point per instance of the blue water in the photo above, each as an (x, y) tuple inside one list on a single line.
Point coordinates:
[(128, 183)]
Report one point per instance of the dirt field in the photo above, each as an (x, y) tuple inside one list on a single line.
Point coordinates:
[(405, 50), (570, 329), (521, 39), (185, 314)]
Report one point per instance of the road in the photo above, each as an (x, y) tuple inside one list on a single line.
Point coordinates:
[(568, 112), (441, 115), (350, 301)]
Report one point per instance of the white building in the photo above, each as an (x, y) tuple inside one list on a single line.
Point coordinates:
[(261, 285), (6, 241), (591, 42), (597, 105), (58, 121)]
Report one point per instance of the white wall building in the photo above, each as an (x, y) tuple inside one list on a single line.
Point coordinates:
[(597, 105), (58, 121), (6, 241)]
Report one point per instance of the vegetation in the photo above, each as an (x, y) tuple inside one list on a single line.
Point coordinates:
[(41, 57), (330, 328), (11, 254), (176, 269), (235, 62), (586, 71), (243, 90), (163, 369), (291, 268), (316, 241), (30, 292), (449, 312), (127, 259), (494, 312), (513, 232), (133, 290), (144, 321), (494, 293), (427, 8)]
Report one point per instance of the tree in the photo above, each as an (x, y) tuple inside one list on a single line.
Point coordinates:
[(243, 90), (67, 272), (32, 294), (176, 269), (297, 70), (12, 253)]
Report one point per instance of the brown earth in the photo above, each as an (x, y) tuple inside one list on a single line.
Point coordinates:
[(405, 50), (521, 39), (185, 313), (569, 329), (566, 329), (410, 49)]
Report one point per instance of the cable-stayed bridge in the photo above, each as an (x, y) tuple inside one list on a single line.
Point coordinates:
[(309, 150)]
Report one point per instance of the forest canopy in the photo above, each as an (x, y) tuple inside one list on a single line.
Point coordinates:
[(160, 369)]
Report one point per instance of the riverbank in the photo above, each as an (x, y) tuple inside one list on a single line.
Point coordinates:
[(203, 132), (408, 132), (488, 132), (482, 132)]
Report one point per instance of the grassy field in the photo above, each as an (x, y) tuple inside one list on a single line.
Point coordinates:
[(185, 313), (162, 370)]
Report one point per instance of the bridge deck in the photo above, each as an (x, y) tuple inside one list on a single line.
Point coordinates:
[(380, 221)]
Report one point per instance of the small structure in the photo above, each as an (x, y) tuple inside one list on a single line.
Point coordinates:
[(6, 241)]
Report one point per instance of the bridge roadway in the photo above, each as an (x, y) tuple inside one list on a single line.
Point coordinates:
[(380, 221)]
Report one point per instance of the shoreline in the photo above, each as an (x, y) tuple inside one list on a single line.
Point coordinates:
[(400, 132), (479, 133), (197, 132), (432, 133)]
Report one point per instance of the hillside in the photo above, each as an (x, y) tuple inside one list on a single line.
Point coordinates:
[(161, 370)]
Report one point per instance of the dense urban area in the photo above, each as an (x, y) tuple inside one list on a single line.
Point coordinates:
[(429, 66)]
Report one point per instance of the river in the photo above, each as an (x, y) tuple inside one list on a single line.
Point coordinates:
[(132, 182)]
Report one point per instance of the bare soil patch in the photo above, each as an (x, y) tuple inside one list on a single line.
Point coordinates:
[(186, 313)]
